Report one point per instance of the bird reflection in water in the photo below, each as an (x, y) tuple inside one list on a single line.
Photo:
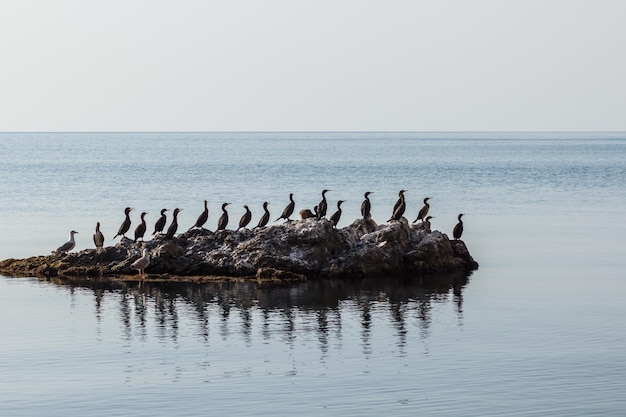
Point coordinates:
[(286, 312)]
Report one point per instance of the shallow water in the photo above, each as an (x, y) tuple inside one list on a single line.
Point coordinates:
[(537, 330)]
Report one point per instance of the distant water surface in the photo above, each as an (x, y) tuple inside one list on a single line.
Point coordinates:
[(537, 330)]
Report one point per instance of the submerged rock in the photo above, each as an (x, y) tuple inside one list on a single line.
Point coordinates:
[(295, 250)]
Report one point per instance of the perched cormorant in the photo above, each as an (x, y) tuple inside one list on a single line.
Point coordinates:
[(334, 219), (142, 263), (288, 211), (160, 224), (399, 207), (125, 224), (69, 245), (423, 211), (223, 221), (366, 206), (98, 238), (458, 229), (322, 207), (266, 216), (171, 231), (245, 219), (202, 218), (426, 223), (141, 229), (400, 200)]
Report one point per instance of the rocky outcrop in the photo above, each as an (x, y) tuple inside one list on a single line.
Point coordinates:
[(304, 249)]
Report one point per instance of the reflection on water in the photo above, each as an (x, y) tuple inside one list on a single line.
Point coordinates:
[(290, 309)]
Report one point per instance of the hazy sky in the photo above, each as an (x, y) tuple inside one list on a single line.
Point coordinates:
[(282, 65)]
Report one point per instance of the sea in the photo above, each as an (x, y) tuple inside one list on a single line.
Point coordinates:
[(539, 329)]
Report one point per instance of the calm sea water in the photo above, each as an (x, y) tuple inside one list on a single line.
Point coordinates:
[(538, 330)]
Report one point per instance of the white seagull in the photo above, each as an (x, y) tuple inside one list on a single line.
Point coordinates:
[(142, 263), (69, 245)]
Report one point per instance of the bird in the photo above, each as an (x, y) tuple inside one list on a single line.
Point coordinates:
[(171, 231), (366, 206), (399, 207), (202, 218), (141, 229), (322, 207), (160, 224), (245, 219), (69, 245), (308, 214), (265, 217), (423, 211), (400, 199), (125, 224), (334, 219), (458, 229), (426, 223), (223, 221), (98, 238), (142, 263), (288, 211)]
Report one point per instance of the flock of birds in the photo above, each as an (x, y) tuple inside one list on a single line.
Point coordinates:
[(318, 212)]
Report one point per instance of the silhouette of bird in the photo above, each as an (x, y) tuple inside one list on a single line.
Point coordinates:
[(98, 238), (366, 206), (245, 219), (125, 224), (399, 207), (426, 223), (458, 229), (322, 207), (202, 218), (266, 216), (334, 219), (69, 245), (141, 229), (223, 220), (423, 211), (171, 231), (288, 211), (160, 224)]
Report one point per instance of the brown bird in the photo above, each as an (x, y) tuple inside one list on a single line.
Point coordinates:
[(366, 206), (202, 218), (223, 220), (423, 211), (98, 238), (141, 229)]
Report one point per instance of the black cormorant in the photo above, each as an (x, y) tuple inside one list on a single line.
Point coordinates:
[(202, 218), (125, 224), (366, 206), (171, 231), (288, 211), (141, 229), (322, 207), (266, 216), (160, 224), (245, 219), (458, 229), (399, 207), (334, 219), (426, 223), (423, 211), (223, 221)]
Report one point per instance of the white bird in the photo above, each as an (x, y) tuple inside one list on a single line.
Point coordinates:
[(69, 245), (142, 263)]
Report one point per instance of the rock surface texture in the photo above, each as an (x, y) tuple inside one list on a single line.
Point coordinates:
[(294, 250)]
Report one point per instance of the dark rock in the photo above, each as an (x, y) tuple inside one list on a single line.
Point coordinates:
[(309, 248)]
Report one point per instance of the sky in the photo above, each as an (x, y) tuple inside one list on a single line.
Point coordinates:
[(296, 65)]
